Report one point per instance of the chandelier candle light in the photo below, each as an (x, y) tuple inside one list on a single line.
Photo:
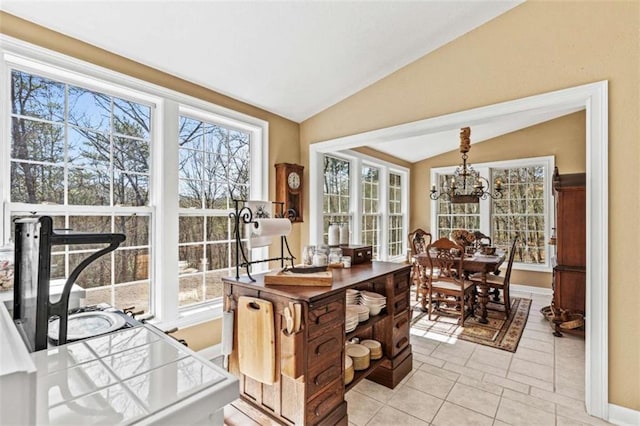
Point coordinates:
[(466, 185)]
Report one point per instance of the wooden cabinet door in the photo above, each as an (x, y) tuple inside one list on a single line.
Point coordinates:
[(569, 290), (571, 227)]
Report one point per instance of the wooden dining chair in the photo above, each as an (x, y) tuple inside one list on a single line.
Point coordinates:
[(497, 283), (419, 239), (446, 283), (481, 239)]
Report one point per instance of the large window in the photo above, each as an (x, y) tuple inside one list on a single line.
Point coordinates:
[(102, 152), (82, 156), (523, 210), (397, 233), (370, 226), (368, 194), (214, 163), (335, 205)]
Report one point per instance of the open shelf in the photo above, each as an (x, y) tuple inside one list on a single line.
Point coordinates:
[(362, 374), (368, 323)]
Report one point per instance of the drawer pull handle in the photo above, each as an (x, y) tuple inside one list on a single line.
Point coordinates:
[(401, 342), (402, 322), (359, 254), (317, 411), (318, 318), (326, 376), (329, 343)]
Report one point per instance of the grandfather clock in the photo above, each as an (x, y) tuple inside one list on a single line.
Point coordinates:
[(289, 189)]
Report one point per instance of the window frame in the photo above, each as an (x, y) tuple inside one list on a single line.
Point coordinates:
[(163, 191), (485, 207), (357, 160)]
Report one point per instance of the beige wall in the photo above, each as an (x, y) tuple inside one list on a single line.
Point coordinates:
[(564, 138), (283, 133), (534, 48)]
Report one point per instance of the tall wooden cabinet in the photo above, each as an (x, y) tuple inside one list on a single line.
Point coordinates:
[(569, 271)]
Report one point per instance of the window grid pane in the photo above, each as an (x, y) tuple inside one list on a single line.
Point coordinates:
[(370, 227), (396, 234), (71, 146), (214, 168), (335, 206), (520, 212)]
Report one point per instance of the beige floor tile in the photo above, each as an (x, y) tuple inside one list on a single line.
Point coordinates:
[(530, 400), (474, 399), (542, 336), (426, 359), (530, 381), (517, 413), (441, 372), (454, 415), (462, 370), (497, 422), (570, 390), (531, 369), (449, 357), (416, 403), (531, 355), (479, 384), (564, 421), (492, 358), (506, 383), (422, 345), (556, 397), (578, 413), (485, 368), (536, 345), (375, 390), (415, 367), (361, 408), (390, 416), (428, 383)]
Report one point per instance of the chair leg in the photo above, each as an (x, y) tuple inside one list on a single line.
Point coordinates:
[(507, 301)]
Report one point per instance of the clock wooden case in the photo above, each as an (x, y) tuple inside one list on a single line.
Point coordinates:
[(289, 186)]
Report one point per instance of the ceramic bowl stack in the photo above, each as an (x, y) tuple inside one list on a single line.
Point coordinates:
[(375, 347), (361, 356), (374, 301), (353, 296), (361, 310), (349, 372), (351, 320)]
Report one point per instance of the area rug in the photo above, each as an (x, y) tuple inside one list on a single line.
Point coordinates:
[(499, 333)]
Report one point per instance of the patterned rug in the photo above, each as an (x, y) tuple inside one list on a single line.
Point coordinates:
[(499, 333)]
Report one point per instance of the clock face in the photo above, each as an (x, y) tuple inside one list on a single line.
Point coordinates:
[(293, 180)]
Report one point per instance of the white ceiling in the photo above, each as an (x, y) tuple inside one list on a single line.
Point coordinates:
[(293, 58)]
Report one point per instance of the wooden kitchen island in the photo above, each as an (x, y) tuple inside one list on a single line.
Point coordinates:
[(309, 386)]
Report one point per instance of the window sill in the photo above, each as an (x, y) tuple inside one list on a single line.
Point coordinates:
[(193, 315)]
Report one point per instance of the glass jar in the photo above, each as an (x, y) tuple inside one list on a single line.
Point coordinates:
[(307, 255), (344, 234), (335, 256), (334, 234), (346, 261)]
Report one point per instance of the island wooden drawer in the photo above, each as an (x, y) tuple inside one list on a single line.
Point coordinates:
[(400, 303), (401, 283), (325, 402), (321, 375), (400, 332), (328, 345), (325, 316)]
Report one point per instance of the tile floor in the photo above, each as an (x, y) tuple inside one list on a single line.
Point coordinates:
[(463, 383)]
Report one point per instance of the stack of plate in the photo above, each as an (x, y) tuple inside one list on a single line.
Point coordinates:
[(360, 310), (375, 347), (351, 321), (353, 296), (361, 356), (374, 301), (349, 372)]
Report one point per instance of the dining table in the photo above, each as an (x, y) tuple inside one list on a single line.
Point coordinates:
[(471, 264)]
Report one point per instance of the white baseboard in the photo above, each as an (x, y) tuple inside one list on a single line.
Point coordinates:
[(623, 416), (531, 289)]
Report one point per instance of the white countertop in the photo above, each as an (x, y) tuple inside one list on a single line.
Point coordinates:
[(135, 375)]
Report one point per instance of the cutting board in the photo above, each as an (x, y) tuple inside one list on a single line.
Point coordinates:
[(256, 339), (316, 279)]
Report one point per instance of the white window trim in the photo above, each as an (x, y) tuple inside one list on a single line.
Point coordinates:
[(356, 160), (168, 103), (485, 205)]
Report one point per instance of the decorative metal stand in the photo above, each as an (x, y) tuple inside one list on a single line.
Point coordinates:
[(32, 308), (243, 215)]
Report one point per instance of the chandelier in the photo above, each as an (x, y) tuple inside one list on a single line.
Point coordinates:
[(466, 185)]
